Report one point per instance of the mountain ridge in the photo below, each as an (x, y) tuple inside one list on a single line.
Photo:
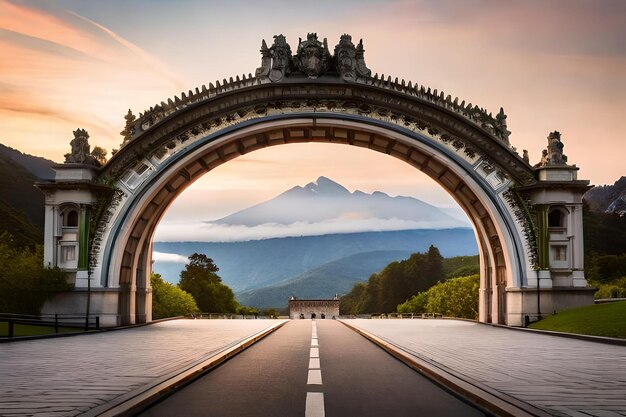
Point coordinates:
[(327, 200), (257, 263)]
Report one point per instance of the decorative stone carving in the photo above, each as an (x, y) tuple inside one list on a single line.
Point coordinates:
[(312, 57), (553, 154), (349, 59), (81, 152), (500, 126), (525, 156), (275, 61)]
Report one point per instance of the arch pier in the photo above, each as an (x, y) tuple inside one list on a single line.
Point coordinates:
[(100, 219)]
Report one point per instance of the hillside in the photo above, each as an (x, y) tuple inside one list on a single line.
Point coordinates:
[(336, 277), (259, 263), (22, 205), (608, 198)]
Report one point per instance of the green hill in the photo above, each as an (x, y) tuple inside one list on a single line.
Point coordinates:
[(336, 277), (22, 204)]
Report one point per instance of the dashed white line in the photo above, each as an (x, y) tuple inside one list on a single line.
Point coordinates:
[(315, 353), (314, 342), (314, 404), (315, 377), (314, 363)]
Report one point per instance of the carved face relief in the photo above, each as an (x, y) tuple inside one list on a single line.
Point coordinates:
[(311, 61)]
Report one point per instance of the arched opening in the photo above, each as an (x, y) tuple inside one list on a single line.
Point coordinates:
[(71, 218), (499, 245), (336, 206), (556, 217)]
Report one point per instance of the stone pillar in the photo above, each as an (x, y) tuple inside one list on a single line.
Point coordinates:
[(556, 200)]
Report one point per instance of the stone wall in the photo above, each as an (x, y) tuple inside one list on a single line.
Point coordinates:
[(329, 308)]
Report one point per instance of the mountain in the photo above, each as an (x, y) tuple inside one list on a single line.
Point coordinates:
[(325, 200), (40, 168), (608, 198), (22, 205), (336, 277), (259, 263)]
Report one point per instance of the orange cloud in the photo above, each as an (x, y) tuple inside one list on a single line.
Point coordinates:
[(66, 71)]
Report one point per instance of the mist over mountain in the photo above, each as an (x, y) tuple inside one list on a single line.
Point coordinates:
[(325, 200)]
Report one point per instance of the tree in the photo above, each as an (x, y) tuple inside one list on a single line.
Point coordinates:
[(271, 312), (170, 301), (129, 127), (199, 279), (25, 284), (100, 154), (456, 297), (396, 283)]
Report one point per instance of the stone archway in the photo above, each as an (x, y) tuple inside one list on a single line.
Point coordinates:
[(318, 97)]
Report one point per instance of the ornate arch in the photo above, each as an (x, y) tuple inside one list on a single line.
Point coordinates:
[(316, 96)]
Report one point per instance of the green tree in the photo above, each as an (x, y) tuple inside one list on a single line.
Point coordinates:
[(25, 284), (456, 297), (615, 289), (100, 154), (247, 311), (271, 312), (199, 279), (169, 300)]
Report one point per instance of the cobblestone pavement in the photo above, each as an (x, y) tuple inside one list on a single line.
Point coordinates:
[(565, 377), (70, 375)]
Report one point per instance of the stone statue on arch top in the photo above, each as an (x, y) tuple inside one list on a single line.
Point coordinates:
[(81, 150)]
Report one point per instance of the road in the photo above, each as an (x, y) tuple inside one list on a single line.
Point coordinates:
[(313, 369)]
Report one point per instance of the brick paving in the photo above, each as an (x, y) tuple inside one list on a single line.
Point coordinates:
[(70, 375), (565, 377)]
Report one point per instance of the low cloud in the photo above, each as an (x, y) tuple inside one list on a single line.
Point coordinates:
[(210, 232), (169, 257)]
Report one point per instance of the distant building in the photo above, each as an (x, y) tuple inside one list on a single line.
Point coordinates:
[(306, 308)]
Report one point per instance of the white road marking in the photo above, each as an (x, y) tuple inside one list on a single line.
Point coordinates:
[(314, 363), (315, 353), (315, 377), (314, 404), (314, 342)]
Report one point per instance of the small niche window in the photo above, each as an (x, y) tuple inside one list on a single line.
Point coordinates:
[(68, 253), (560, 253), (71, 218), (556, 218)]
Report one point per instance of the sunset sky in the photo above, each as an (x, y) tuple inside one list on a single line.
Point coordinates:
[(552, 65)]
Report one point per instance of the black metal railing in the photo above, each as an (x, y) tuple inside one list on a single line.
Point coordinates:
[(78, 322)]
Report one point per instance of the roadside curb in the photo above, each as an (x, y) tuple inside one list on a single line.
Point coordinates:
[(489, 399), (139, 399)]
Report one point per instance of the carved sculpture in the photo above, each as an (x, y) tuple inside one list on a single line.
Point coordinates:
[(501, 127), (81, 153), (349, 59), (553, 154), (312, 57), (275, 61)]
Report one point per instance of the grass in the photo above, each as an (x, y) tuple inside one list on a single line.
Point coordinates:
[(33, 330), (597, 320)]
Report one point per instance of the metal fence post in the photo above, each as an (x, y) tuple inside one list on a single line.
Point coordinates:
[(56, 323), (97, 322), (11, 329)]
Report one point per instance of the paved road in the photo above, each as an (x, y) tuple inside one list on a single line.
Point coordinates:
[(565, 377), (70, 375), (312, 369)]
